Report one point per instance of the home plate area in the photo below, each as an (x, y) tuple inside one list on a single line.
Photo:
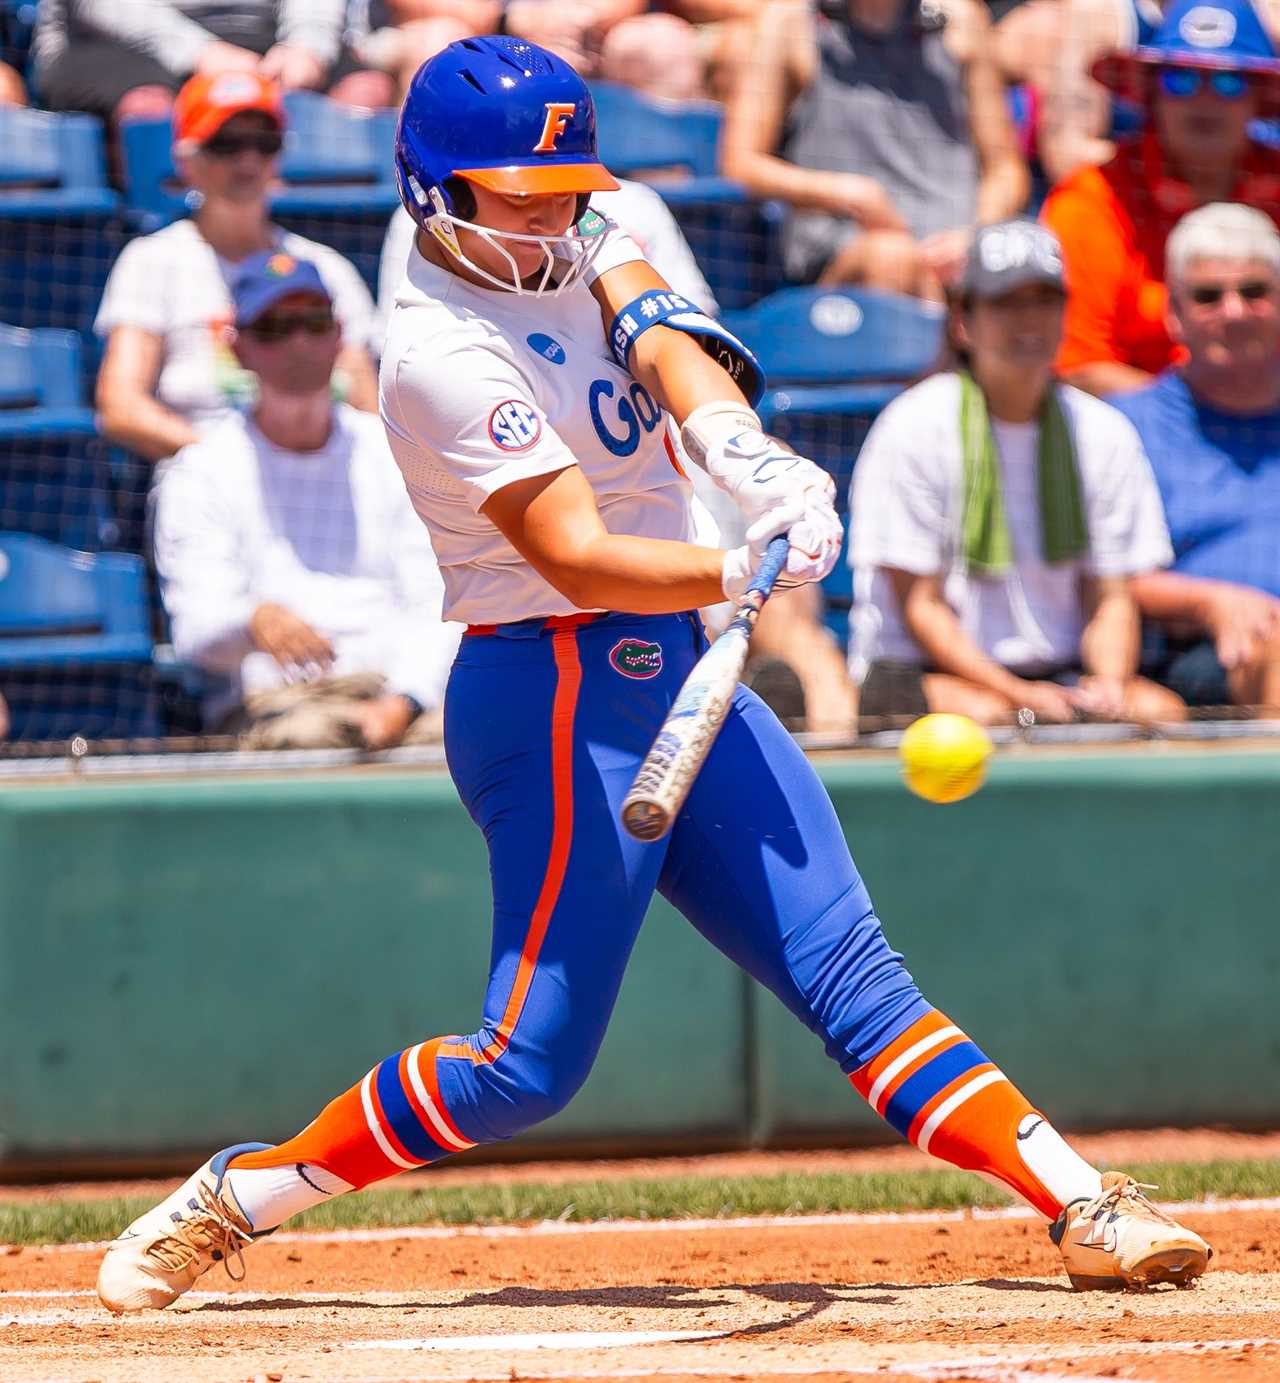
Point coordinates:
[(924, 1299)]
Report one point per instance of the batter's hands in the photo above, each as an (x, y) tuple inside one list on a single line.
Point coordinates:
[(812, 529), (300, 650)]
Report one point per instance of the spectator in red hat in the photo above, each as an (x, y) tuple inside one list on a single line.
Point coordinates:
[(1210, 73), (123, 58), (169, 370)]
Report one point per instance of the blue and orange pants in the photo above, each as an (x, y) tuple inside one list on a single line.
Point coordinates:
[(546, 723)]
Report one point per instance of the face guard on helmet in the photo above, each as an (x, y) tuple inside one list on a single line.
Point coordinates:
[(509, 116)]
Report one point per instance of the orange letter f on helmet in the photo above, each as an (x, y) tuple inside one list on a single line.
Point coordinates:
[(558, 114)]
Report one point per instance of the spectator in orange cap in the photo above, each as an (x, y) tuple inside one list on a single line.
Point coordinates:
[(1210, 73), (169, 371), (126, 58)]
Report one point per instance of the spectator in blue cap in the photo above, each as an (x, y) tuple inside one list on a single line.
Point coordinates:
[(291, 562), (1210, 73)]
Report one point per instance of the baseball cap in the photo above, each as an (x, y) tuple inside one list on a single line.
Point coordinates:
[(1227, 35), (267, 277), (1010, 254), (206, 103)]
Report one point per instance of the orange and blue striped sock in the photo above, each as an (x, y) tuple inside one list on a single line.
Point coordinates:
[(391, 1121), (940, 1092)]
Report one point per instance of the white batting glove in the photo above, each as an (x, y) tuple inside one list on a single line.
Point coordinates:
[(598, 241), (727, 441), (815, 535), (760, 474)]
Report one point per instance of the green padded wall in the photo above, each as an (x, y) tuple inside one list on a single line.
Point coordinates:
[(1105, 926), (188, 963), (184, 965)]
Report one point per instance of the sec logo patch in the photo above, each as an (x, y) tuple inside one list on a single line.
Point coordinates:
[(514, 426), (636, 658)]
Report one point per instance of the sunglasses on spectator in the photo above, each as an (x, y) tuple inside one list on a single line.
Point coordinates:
[(1211, 294), (277, 326), (1186, 82), (268, 143)]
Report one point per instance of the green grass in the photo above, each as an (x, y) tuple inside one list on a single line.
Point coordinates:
[(61, 1222)]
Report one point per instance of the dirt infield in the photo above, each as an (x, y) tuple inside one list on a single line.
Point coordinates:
[(920, 1298)]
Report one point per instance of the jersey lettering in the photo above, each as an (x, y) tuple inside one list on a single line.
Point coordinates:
[(636, 410)]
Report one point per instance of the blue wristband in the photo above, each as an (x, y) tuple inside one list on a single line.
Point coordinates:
[(658, 306)]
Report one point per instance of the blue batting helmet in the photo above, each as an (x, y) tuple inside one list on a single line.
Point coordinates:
[(499, 112)]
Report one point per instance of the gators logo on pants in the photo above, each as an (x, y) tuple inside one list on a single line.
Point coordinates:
[(636, 658)]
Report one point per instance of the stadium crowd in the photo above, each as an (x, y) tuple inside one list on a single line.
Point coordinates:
[(1077, 511)]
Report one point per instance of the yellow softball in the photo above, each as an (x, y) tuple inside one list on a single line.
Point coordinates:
[(944, 757)]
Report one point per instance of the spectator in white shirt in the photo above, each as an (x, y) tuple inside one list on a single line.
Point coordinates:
[(997, 518), (635, 206), (290, 558), (169, 370)]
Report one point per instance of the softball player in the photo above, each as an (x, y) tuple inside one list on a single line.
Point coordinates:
[(537, 447)]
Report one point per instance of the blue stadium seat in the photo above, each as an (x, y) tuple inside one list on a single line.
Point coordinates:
[(75, 651), (674, 146), (822, 336), (60, 228), (40, 383), (58, 606), (834, 358), (52, 165), (53, 478)]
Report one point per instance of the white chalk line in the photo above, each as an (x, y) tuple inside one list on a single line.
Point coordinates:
[(549, 1339), (570, 1340), (990, 1368), (553, 1229)]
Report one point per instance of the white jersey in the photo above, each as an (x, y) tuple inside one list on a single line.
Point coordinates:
[(481, 388)]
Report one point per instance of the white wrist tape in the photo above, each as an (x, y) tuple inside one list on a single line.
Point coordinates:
[(711, 426)]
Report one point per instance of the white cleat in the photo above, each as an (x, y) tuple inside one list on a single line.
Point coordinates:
[(163, 1251), (1120, 1240)]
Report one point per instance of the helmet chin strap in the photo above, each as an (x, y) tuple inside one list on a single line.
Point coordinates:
[(569, 254)]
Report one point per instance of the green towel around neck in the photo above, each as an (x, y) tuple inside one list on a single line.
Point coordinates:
[(1064, 535)]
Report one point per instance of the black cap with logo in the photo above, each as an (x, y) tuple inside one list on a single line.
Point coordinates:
[(1009, 255)]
